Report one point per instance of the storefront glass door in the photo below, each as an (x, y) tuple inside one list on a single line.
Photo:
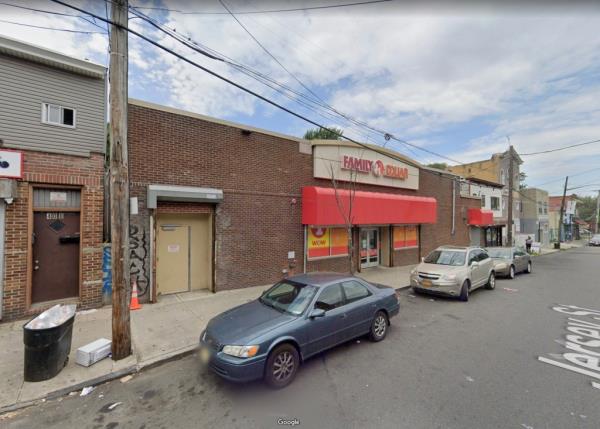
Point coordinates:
[(369, 247)]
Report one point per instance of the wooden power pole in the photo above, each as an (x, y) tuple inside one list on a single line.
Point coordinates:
[(562, 211), (511, 178), (597, 223), (119, 182)]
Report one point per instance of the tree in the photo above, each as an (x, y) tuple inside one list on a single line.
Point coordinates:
[(344, 199), (438, 165), (323, 134), (586, 208)]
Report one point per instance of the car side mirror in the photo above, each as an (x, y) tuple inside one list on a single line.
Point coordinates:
[(474, 264), (317, 312)]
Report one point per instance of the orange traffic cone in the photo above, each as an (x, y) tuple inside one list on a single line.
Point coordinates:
[(135, 304)]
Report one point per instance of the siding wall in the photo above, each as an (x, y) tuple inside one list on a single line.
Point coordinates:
[(25, 85)]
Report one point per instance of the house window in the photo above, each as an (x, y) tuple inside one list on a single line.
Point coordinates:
[(483, 200), (540, 209), (58, 115), (495, 203), (545, 208)]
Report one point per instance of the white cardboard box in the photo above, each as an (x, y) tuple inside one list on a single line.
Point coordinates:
[(93, 352)]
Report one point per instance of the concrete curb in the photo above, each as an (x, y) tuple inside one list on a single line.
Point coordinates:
[(141, 366), (398, 289)]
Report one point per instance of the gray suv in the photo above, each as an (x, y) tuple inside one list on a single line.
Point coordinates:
[(454, 271)]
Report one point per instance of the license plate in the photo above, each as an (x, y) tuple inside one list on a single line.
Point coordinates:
[(204, 355), (426, 283)]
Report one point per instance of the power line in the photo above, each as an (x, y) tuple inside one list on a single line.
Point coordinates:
[(320, 103), (570, 175), (51, 28), (559, 148), (50, 12), (298, 9), (247, 90)]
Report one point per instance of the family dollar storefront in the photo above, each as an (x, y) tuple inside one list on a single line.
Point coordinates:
[(368, 211)]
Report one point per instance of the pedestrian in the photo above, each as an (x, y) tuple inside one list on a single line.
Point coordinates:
[(528, 244)]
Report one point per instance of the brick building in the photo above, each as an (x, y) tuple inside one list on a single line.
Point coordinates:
[(53, 121), (223, 206)]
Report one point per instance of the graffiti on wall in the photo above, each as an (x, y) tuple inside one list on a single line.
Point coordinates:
[(138, 245), (106, 275)]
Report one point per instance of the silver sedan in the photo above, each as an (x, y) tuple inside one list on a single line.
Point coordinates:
[(508, 261)]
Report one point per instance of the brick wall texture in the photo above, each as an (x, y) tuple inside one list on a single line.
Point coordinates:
[(259, 220), (54, 169)]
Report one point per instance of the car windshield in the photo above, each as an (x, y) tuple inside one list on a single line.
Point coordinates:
[(446, 257), (288, 297), (499, 252)]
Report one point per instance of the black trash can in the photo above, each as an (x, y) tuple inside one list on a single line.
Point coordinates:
[(46, 350)]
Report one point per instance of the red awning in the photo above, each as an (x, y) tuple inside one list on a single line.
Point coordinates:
[(320, 207), (480, 217)]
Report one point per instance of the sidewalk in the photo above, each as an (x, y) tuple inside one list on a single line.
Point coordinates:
[(563, 246), (159, 332)]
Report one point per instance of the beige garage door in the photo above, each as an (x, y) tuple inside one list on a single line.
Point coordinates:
[(183, 252)]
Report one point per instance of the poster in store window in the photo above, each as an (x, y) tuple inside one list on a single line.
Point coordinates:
[(339, 241), (399, 237), (318, 242), (411, 236)]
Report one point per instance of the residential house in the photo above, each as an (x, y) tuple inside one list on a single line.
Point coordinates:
[(52, 142), (496, 170), (535, 216), (484, 233), (570, 230)]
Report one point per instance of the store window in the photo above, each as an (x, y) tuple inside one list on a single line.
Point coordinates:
[(324, 242), (405, 236)]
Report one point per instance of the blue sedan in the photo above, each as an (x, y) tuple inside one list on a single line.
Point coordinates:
[(292, 321)]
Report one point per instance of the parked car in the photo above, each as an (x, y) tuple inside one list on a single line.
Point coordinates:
[(595, 240), (454, 271), (292, 321), (508, 261)]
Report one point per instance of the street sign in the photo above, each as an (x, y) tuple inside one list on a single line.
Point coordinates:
[(11, 164)]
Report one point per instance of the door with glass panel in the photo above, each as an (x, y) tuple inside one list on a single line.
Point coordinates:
[(369, 247)]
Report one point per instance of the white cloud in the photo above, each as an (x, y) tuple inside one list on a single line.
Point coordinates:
[(415, 73)]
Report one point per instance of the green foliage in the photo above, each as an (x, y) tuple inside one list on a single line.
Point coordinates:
[(438, 165), (323, 134), (586, 208)]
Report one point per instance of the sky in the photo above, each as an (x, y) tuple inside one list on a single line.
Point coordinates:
[(458, 79)]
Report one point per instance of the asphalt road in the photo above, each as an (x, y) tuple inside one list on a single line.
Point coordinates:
[(444, 364)]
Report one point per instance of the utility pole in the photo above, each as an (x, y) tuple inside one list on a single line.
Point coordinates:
[(597, 223), (509, 232), (119, 182), (562, 211)]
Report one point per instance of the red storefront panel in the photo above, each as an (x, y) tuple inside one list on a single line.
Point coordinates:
[(480, 217), (319, 207)]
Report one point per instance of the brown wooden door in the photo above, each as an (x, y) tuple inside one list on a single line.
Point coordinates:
[(55, 256)]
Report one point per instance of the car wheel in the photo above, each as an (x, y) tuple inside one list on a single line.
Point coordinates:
[(282, 366), (491, 284), (511, 273), (464, 291), (379, 327), (529, 268)]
